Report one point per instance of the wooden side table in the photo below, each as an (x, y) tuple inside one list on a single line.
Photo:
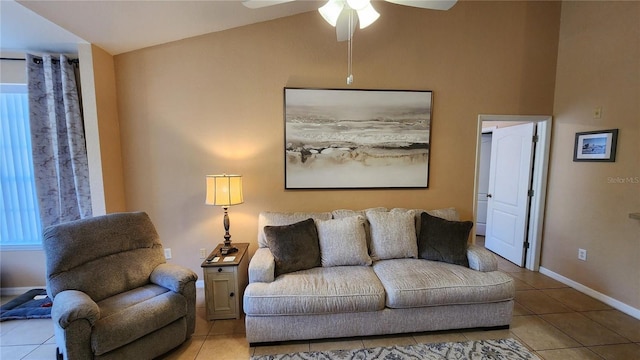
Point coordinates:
[(224, 282)]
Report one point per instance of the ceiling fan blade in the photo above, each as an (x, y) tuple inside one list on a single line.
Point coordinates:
[(257, 4), (426, 4), (343, 32)]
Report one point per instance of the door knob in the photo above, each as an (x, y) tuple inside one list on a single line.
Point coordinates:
[(489, 195), (219, 269), (231, 295)]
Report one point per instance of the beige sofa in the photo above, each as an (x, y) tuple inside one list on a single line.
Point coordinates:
[(380, 293)]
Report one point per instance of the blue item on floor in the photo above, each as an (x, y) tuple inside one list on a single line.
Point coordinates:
[(34, 304)]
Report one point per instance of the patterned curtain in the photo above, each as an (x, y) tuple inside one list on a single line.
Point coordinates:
[(57, 138)]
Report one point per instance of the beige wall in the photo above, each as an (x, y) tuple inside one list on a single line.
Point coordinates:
[(214, 104), (102, 129), (21, 269), (13, 71), (588, 203)]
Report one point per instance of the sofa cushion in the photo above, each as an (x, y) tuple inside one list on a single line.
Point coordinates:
[(343, 241), (118, 241), (411, 283), (112, 305), (133, 314), (281, 218), (445, 213), (344, 213), (294, 247), (338, 289), (393, 235), (444, 240)]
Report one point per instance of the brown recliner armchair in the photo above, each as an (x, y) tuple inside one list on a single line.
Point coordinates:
[(114, 295)]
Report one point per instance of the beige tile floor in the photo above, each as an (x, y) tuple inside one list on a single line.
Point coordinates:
[(551, 319)]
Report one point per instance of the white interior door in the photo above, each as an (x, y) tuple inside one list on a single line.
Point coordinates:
[(508, 197), (483, 184)]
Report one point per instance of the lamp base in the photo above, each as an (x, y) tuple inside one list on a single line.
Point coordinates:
[(228, 249)]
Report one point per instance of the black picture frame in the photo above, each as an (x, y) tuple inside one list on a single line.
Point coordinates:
[(357, 139), (596, 146)]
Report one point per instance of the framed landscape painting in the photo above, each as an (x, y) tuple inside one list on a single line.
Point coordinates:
[(356, 139), (596, 145)]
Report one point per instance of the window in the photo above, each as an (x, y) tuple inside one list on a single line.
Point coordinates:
[(20, 226)]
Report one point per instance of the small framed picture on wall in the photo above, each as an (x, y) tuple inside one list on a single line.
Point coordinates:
[(596, 145)]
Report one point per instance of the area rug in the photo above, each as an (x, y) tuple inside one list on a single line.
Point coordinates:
[(503, 349), (34, 304)]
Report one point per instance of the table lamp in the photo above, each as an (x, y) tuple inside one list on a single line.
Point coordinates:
[(224, 190)]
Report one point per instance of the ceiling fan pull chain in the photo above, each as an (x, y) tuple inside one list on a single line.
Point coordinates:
[(350, 50)]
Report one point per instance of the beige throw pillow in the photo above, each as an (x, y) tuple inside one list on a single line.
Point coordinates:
[(393, 235), (343, 241), (343, 213)]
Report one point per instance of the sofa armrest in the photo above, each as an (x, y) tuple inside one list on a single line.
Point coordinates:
[(172, 277), (481, 259), (262, 266), (72, 305)]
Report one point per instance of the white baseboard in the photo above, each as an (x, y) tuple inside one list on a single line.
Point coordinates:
[(616, 304), (481, 229), (13, 291)]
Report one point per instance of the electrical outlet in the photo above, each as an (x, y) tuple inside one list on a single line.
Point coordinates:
[(582, 254), (203, 253), (167, 253)]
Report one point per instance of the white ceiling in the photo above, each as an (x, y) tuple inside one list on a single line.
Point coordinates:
[(21, 29), (122, 26)]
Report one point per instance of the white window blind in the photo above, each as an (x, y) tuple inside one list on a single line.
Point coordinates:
[(19, 215)]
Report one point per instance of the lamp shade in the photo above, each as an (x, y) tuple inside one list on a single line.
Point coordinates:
[(224, 190)]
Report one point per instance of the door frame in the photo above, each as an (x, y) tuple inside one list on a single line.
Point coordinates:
[(483, 167), (539, 179)]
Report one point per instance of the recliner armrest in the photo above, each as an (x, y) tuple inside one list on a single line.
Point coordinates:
[(262, 266), (72, 305), (481, 259), (172, 277)]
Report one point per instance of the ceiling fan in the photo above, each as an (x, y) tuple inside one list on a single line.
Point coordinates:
[(345, 14)]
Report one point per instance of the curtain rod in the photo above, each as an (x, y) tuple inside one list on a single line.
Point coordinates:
[(38, 60)]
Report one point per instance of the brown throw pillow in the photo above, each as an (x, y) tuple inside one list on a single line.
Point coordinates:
[(294, 247), (444, 240)]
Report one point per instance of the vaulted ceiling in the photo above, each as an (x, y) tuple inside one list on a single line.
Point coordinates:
[(122, 26)]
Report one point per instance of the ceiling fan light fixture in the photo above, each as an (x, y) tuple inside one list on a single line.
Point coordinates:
[(331, 11), (367, 16), (358, 4)]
